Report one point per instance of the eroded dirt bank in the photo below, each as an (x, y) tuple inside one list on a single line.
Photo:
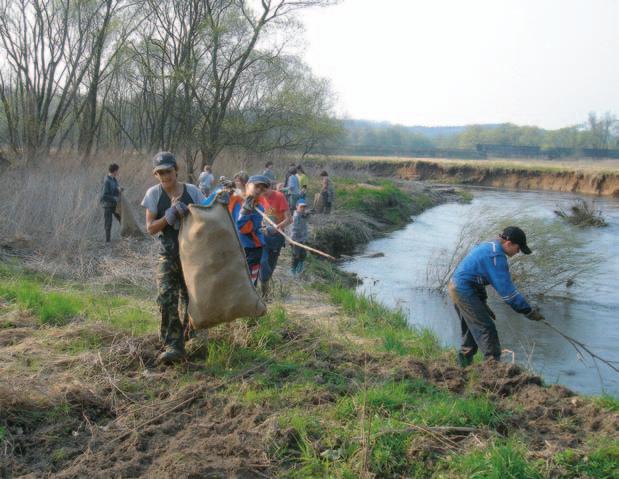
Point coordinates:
[(486, 174)]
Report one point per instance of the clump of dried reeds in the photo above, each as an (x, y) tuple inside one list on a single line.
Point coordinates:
[(582, 214), (558, 260), (338, 234)]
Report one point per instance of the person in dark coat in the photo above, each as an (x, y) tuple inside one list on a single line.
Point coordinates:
[(109, 199)]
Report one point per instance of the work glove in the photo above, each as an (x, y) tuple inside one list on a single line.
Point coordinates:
[(182, 209), (248, 205), (271, 231), (170, 215), (535, 315)]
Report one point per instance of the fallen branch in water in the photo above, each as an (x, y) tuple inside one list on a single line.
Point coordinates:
[(578, 346)]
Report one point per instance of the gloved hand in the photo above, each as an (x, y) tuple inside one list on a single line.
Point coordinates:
[(270, 231), (170, 215), (248, 205), (182, 209), (535, 315)]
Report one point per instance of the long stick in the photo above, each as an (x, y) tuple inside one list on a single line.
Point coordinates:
[(296, 243), (577, 344)]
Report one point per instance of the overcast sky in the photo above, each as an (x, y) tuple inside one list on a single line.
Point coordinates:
[(452, 62)]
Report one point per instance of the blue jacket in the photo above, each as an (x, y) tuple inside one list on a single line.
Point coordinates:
[(487, 264)]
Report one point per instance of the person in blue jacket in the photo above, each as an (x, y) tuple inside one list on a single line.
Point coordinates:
[(486, 264), (243, 205)]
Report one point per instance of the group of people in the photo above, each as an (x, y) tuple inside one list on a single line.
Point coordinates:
[(261, 208)]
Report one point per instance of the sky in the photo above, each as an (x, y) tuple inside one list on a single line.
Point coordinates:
[(453, 62)]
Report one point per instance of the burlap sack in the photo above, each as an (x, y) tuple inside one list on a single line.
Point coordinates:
[(215, 270), (319, 204), (128, 225)]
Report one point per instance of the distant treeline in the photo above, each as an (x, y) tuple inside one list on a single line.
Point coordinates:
[(598, 137)]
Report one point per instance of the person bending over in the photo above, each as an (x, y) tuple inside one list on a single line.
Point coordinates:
[(486, 264)]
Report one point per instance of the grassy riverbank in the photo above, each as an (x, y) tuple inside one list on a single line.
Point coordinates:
[(328, 384)]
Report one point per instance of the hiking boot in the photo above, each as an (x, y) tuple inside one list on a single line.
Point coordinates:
[(265, 289), (171, 355), (197, 345), (464, 361)]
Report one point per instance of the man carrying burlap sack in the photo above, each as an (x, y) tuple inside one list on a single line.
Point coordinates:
[(166, 203)]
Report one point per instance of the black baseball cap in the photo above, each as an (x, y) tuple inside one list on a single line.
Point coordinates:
[(516, 236), (164, 160)]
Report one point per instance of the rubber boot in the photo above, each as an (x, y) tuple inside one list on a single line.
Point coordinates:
[(265, 289), (196, 346), (171, 355), (464, 361)]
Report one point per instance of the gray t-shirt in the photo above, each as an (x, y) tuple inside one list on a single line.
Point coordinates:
[(205, 180), (153, 194)]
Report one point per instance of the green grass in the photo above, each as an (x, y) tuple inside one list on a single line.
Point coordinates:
[(56, 303), (504, 459), (51, 307), (601, 462), (384, 413), (384, 202), (370, 318), (610, 403)]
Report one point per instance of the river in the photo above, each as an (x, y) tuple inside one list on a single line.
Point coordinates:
[(587, 311)]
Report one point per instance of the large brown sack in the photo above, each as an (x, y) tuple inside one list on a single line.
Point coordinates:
[(128, 225), (319, 204), (215, 270)]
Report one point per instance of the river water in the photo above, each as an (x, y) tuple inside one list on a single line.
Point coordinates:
[(588, 311)]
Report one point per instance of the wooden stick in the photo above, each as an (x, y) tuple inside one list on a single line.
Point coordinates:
[(291, 241), (577, 344)]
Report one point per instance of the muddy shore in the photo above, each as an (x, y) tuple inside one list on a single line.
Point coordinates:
[(482, 174)]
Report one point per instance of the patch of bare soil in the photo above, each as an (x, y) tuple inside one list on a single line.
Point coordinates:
[(114, 413), (551, 418), (190, 435)]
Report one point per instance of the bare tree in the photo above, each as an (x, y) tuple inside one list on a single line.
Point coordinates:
[(235, 29)]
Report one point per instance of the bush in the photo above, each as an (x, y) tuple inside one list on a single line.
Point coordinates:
[(558, 258)]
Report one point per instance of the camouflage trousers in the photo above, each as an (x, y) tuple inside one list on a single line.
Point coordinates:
[(172, 300)]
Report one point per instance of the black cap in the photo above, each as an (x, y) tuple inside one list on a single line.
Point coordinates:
[(164, 160), (516, 236)]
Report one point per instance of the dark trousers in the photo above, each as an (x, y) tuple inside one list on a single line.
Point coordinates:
[(270, 254), (108, 212), (254, 257), (326, 201), (298, 259), (477, 324), (172, 300)]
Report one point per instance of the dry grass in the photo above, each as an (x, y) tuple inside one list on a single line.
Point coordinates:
[(52, 217), (583, 213)]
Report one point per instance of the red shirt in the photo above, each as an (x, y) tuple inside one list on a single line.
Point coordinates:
[(275, 206)]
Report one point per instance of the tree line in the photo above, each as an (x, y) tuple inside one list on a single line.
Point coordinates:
[(191, 76), (599, 132)]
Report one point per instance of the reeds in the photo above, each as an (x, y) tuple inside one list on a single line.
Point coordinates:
[(582, 214)]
